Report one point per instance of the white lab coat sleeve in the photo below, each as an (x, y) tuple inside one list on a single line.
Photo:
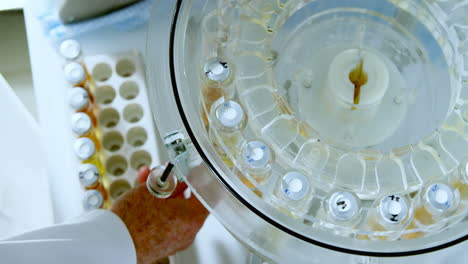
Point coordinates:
[(96, 237)]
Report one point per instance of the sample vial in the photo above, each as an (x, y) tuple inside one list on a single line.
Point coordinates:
[(256, 158), (85, 150), (93, 199), (295, 186), (228, 121), (82, 126), (90, 178), (292, 193), (217, 70), (343, 206), (80, 101), (393, 214), (440, 199), (70, 49), (75, 73)]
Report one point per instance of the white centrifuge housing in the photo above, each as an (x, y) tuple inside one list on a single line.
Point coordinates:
[(324, 123)]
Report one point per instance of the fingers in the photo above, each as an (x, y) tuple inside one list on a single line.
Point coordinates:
[(143, 174)]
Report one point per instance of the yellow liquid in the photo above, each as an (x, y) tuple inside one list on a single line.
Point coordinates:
[(463, 189), (412, 235)]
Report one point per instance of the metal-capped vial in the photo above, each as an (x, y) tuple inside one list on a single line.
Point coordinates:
[(217, 70), (78, 98), (74, 73), (230, 114), (70, 49), (88, 175), (81, 123), (295, 185), (84, 148), (256, 155), (440, 197), (393, 209), (92, 199), (343, 206)]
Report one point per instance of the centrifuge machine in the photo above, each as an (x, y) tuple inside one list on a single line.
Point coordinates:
[(318, 129)]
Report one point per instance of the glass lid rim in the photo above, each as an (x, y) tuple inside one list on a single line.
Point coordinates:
[(252, 208)]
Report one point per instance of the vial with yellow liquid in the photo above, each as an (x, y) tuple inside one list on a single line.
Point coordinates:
[(91, 179), (85, 150), (80, 101), (256, 158), (78, 76), (292, 193), (343, 208), (217, 78), (228, 121), (93, 199), (392, 212), (438, 200), (82, 126)]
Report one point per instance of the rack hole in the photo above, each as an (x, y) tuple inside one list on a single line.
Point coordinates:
[(125, 68), (139, 159), (133, 113), (102, 72), (119, 187), (137, 136), (113, 141), (129, 90), (116, 165), (105, 94), (109, 117)]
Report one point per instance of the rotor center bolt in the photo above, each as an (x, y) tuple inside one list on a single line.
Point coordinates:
[(394, 209), (371, 65), (217, 70), (343, 205), (295, 185)]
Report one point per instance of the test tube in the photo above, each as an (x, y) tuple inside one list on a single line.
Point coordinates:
[(93, 199), (82, 126), (85, 150), (256, 158), (80, 101), (228, 121)]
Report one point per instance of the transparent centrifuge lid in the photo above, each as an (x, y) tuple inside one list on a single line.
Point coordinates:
[(334, 123)]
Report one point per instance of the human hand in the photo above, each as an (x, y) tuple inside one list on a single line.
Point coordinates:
[(159, 227)]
